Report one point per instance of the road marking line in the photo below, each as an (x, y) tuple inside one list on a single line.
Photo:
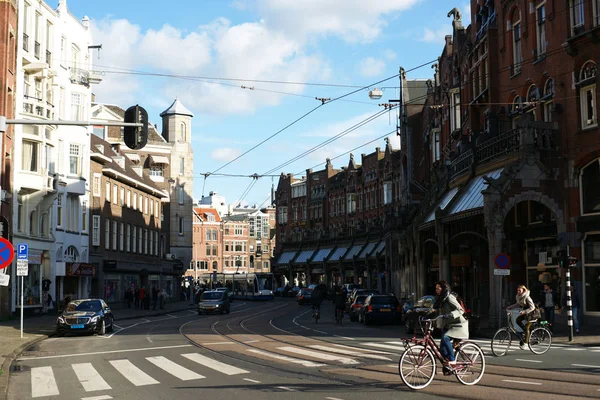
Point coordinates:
[(586, 366), (332, 398), (212, 343), (324, 333), (523, 382), (214, 364), (363, 349), (132, 373), (174, 369), (90, 378), (172, 316), (105, 352), (43, 382), (344, 337), (532, 361), (117, 326), (385, 346), (103, 397), (251, 380), (349, 352), (252, 341), (319, 355), (595, 351), (306, 363), (576, 349), (286, 388)]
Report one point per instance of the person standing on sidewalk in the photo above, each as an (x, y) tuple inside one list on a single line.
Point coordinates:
[(575, 305), (549, 300)]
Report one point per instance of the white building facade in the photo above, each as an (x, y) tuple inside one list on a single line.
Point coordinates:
[(51, 162)]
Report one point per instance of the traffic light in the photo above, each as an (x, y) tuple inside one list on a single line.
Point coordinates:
[(136, 137)]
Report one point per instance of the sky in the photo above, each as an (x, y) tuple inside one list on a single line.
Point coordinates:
[(251, 72)]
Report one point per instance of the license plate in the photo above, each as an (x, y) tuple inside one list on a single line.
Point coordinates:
[(80, 326), (385, 310)]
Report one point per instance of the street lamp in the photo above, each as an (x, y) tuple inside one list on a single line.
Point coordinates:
[(375, 94)]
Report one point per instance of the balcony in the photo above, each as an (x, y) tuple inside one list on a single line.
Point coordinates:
[(25, 42), (36, 49), (48, 57), (80, 76), (37, 107)]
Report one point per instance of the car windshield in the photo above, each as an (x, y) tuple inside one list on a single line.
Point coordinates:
[(360, 299), (84, 306), (382, 300), (425, 302), (212, 296)]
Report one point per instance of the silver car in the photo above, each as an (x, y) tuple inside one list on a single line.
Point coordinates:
[(214, 302)]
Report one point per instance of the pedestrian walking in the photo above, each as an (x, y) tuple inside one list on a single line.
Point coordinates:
[(549, 301)]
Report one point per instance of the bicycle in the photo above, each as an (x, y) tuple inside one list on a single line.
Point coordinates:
[(339, 315), (540, 337), (417, 365), (316, 314)]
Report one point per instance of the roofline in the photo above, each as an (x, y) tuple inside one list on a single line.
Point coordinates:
[(121, 175)]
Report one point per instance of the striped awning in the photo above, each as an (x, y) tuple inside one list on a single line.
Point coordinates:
[(472, 198), (379, 251), (159, 159), (286, 257), (354, 250), (367, 250), (304, 256), (337, 254), (442, 204), (321, 255)]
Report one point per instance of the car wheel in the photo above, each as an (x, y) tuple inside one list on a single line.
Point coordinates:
[(102, 329), (111, 326), (59, 333)]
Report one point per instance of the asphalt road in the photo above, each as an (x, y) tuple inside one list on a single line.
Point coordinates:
[(269, 349)]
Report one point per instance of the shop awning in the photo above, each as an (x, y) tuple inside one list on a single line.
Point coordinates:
[(337, 254), (321, 255), (159, 160), (134, 157), (379, 251), (367, 250), (80, 269), (472, 198), (286, 257), (303, 256), (442, 204), (354, 250)]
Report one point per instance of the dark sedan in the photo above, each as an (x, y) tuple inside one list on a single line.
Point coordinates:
[(380, 308), (214, 302), (304, 296), (85, 316)]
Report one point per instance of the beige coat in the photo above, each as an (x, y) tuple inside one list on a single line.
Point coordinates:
[(458, 326)]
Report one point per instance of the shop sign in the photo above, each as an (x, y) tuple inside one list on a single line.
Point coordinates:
[(80, 269), (110, 264)]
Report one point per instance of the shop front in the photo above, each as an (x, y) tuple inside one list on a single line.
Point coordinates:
[(591, 273), (32, 283), (77, 281)]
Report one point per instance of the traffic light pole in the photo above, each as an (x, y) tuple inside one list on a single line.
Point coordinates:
[(4, 122), (567, 264)]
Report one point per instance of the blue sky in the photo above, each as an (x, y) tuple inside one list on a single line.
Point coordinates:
[(314, 48)]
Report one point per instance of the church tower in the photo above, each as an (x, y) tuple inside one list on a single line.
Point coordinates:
[(177, 131)]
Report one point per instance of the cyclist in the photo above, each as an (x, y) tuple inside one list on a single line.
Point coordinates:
[(340, 302), (527, 308), (451, 321), (319, 293)]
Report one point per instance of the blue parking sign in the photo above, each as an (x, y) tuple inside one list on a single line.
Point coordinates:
[(22, 251)]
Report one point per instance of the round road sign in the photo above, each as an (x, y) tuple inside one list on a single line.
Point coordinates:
[(7, 253), (502, 260)]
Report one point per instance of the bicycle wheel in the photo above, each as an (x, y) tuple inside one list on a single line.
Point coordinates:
[(540, 340), (470, 364), (417, 367), (501, 342)]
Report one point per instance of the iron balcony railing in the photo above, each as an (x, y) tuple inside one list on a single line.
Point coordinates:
[(25, 42), (36, 50)]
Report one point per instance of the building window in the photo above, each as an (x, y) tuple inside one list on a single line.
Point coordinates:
[(180, 225), (387, 193), (84, 212), (207, 235), (151, 207), (96, 230), (180, 194), (455, 111), (183, 132), (114, 235), (140, 242), (156, 170), (128, 238), (214, 235), (145, 241), (141, 203), (181, 165), (96, 182), (121, 236), (588, 107), (107, 234), (75, 159), (128, 198), (134, 200), (435, 146), (596, 12), (590, 190), (72, 214), (517, 54), (134, 240), (59, 211), (577, 16), (541, 29), (145, 205), (107, 189), (151, 238), (76, 106), (30, 156), (115, 194)]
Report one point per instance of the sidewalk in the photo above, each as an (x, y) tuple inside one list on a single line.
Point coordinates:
[(39, 327), (589, 328)]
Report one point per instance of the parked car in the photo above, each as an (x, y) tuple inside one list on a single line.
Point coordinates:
[(355, 307), (213, 302), (380, 308), (85, 316), (304, 296), (226, 290), (359, 291), (424, 307)]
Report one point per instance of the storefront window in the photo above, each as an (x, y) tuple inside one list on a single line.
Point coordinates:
[(131, 282), (31, 287), (168, 285), (153, 280), (112, 288), (592, 273)]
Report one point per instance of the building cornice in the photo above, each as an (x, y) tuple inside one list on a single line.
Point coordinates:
[(124, 178)]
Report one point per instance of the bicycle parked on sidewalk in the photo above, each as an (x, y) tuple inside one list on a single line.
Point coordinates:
[(540, 337), (417, 366)]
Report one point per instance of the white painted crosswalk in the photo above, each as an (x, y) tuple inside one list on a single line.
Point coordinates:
[(90, 378)]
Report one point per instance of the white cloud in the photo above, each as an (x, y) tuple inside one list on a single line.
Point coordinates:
[(370, 67), (225, 154), (389, 54), (437, 36), (354, 21)]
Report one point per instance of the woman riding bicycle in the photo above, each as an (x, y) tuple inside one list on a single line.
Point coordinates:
[(451, 320), (528, 307)]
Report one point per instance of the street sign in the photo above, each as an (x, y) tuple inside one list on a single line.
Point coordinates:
[(22, 267), (4, 279), (22, 251), (7, 253), (502, 260), (503, 272)]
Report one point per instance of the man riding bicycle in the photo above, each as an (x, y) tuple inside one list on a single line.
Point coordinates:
[(451, 321), (319, 293)]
